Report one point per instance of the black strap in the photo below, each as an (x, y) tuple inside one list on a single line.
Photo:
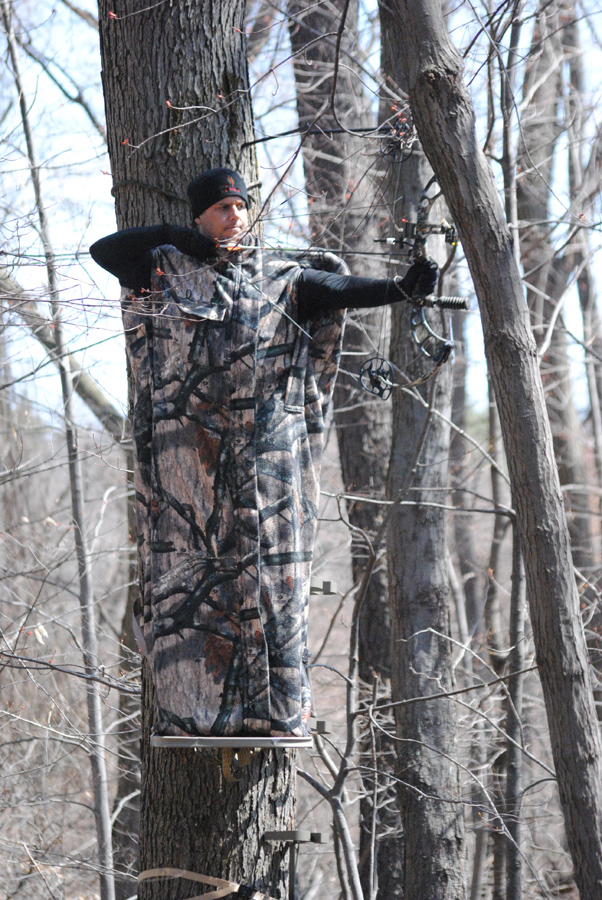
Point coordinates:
[(251, 613)]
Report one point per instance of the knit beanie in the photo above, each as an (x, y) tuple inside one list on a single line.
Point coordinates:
[(212, 186)]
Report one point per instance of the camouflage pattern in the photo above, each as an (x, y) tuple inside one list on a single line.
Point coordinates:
[(229, 397)]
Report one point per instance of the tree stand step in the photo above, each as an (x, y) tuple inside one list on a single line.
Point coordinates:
[(293, 839), (317, 586)]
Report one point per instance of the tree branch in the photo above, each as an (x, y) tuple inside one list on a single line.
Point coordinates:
[(93, 396)]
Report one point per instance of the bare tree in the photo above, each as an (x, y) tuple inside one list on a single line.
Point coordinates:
[(548, 271), (444, 117), (502, 780), (162, 131), (342, 180), (86, 589)]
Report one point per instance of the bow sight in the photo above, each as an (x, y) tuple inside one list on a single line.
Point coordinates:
[(411, 232)]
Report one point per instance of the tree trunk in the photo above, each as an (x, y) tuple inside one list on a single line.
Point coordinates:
[(126, 806), (444, 117), (344, 218), (460, 462), (192, 818), (195, 114), (419, 590), (514, 711), (192, 55), (583, 201), (546, 273), (420, 595), (432, 816), (96, 738)]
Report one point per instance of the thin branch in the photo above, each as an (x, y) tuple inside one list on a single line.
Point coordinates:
[(78, 97), (42, 329), (87, 17)]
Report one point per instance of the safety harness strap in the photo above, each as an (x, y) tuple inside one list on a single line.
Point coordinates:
[(224, 887)]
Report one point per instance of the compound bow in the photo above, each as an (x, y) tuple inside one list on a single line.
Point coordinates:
[(376, 375)]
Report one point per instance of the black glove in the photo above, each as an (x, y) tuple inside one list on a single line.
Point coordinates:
[(189, 241), (421, 278)]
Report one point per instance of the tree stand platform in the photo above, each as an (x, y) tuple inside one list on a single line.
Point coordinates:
[(235, 752), (235, 743)]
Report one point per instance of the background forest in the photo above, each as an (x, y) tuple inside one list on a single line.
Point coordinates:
[(451, 798)]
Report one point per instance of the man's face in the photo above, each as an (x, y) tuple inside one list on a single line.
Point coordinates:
[(225, 221)]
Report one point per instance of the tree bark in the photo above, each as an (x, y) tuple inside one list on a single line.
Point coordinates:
[(444, 117), (89, 634), (460, 461), (344, 217), (194, 56), (514, 711), (495, 632), (126, 805), (432, 815), (192, 818), (195, 113), (429, 795), (546, 273)]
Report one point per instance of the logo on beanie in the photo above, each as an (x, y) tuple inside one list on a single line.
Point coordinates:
[(226, 189), (230, 187)]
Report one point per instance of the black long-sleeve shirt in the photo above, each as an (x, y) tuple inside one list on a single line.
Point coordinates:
[(127, 255)]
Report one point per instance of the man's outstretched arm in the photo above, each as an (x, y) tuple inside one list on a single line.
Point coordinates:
[(319, 291)]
